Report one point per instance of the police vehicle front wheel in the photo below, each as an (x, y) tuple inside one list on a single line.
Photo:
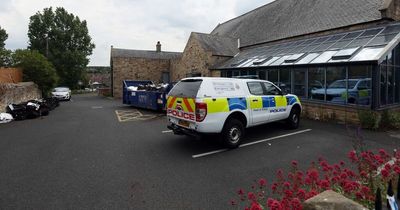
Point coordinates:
[(233, 133), (293, 120)]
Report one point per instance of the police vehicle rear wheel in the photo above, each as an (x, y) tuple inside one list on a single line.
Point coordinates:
[(293, 120), (232, 133)]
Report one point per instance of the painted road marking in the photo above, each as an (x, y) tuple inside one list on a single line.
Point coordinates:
[(168, 131), (97, 107), (251, 143), (134, 115)]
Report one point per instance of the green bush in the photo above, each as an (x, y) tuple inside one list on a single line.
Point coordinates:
[(390, 120), (36, 68), (369, 119)]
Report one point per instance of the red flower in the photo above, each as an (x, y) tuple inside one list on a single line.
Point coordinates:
[(385, 173), (359, 195), (296, 204), (274, 187), (255, 206), (313, 174), (294, 163), (363, 174), (388, 167), (365, 190), (276, 205), (270, 201), (396, 169), (251, 196), (325, 184), (240, 192), (286, 184), (233, 202), (262, 182), (343, 175), (352, 156), (301, 193), (279, 173)]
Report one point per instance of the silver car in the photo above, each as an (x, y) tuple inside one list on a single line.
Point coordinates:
[(61, 93)]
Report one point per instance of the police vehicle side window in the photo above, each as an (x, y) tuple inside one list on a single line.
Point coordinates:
[(271, 89), (255, 88)]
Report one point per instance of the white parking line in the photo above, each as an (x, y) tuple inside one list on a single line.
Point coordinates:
[(251, 143), (168, 131)]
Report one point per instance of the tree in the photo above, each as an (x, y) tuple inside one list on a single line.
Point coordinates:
[(36, 68), (3, 37), (64, 39), (5, 55)]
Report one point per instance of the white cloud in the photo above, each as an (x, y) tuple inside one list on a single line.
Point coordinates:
[(132, 24)]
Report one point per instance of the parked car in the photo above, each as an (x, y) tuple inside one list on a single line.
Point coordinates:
[(61, 93), (359, 91)]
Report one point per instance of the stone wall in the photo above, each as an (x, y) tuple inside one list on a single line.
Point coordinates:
[(137, 69), (333, 113), (195, 60), (10, 75), (17, 93), (391, 9)]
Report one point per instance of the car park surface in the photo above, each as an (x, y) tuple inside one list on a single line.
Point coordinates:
[(82, 157)]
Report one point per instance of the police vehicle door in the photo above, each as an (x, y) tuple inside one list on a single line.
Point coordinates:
[(258, 112), (277, 107)]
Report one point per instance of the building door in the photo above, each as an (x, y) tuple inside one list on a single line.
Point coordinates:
[(165, 77)]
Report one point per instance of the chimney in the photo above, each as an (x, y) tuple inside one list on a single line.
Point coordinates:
[(158, 47)]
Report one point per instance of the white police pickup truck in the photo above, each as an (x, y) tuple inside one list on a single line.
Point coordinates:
[(206, 105)]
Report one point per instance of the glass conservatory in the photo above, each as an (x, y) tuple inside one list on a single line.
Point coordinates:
[(357, 68)]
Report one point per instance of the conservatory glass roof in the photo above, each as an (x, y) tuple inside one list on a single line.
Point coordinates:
[(355, 46)]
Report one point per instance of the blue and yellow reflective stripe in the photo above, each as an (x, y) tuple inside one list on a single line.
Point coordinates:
[(280, 101), (256, 102), (215, 105), (237, 103), (292, 100)]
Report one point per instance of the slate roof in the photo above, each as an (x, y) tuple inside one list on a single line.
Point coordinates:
[(288, 18), (218, 45), (126, 53)]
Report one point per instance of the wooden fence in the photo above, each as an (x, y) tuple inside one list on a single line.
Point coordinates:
[(10, 75)]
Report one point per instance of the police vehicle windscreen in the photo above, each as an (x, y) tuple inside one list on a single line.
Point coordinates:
[(186, 88)]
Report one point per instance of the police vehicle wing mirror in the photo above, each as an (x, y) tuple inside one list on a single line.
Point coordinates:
[(283, 92)]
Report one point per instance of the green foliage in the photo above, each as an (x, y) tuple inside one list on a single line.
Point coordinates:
[(5, 55), (390, 120), (369, 119), (64, 39), (3, 37), (36, 68)]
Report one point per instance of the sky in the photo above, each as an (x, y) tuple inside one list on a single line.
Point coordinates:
[(129, 24)]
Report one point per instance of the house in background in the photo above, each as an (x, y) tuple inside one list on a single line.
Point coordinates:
[(339, 56)]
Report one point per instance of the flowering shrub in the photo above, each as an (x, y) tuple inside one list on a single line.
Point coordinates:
[(358, 181)]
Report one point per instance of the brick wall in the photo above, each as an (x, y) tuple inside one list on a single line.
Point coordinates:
[(10, 75), (136, 69), (17, 93)]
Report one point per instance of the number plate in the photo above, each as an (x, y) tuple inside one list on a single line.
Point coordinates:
[(183, 123)]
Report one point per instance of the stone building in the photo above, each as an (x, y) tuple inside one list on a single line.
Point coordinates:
[(307, 47), (140, 65)]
